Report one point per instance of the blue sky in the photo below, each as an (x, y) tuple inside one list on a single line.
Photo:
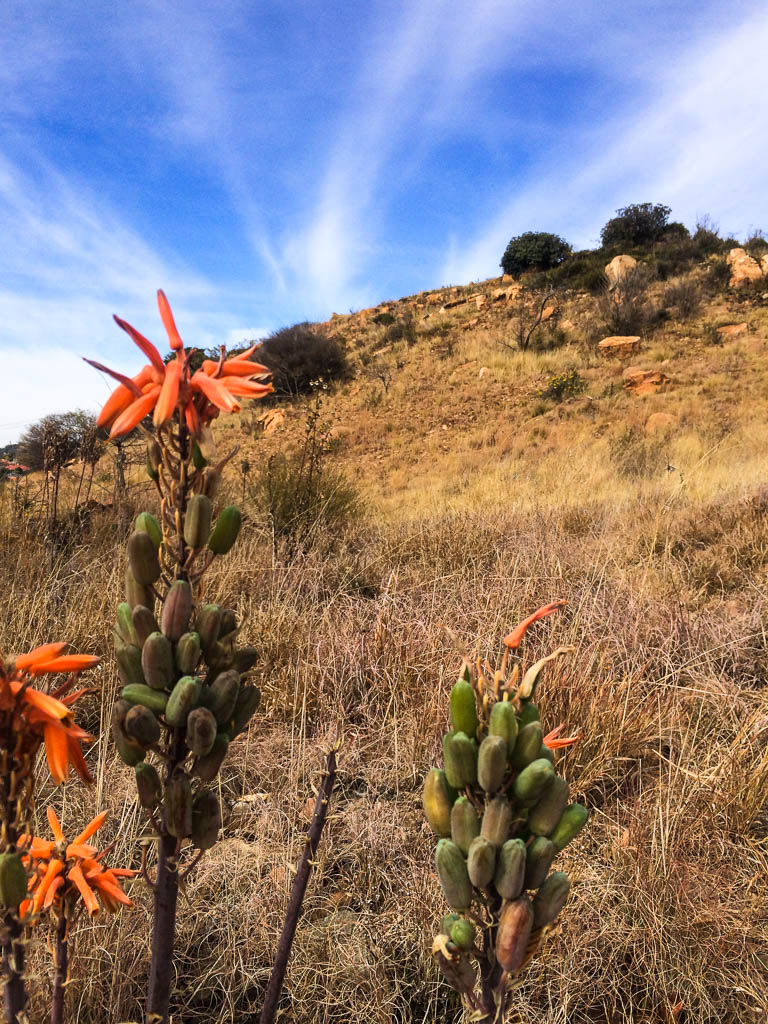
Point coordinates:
[(272, 162)]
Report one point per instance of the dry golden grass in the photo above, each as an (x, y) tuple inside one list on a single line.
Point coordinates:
[(509, 506)]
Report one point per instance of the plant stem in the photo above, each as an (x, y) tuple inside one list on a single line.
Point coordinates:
[(163, 930), (13, 962), (61, 967), (276, 978)]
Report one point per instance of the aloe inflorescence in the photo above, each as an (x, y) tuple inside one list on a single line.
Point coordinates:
[(502, 813), (185, 692)]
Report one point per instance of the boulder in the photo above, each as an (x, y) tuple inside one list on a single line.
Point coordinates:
[(744, 269), (644, 382), (620, 344), (618, 269), (732, 330), (548, 313), (455, 302), (480, 301)]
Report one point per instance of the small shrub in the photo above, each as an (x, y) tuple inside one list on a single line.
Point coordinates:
[(717, 276), (402, 330), (299, 355), (638, 224), (626, 308), (685, 294), (757, 244), (635, 455), (301, 495), (563, 385), (534, 250), (383, 319)]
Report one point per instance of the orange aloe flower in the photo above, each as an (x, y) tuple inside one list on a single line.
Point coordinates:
[(45, 717), (514, 639), (64, 871), (555, 742), (162, 388)]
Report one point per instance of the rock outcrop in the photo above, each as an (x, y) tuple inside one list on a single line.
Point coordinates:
[(744, 269), (618, 269)]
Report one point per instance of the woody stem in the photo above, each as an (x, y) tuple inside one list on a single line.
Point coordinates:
[(61, 967)]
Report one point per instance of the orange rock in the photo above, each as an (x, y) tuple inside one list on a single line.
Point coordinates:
[(480, 301), (732, 330), (620, 344), (455, 302), (744, 268), (548, 313), (644, 382)]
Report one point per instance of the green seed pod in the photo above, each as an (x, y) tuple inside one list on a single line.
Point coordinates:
[(155, 700), (528, 713), (129, 665), (142, 558), (152, 473), (13, 881), (129, 750), (177, 610), (437, 802), (148, 785), (135, 593), (199, 461), (463, 708), (226, 530), (246, 658), (510, 869), (197, 521), (528, 745), (120, 709), (144, 622), (184, 697), (463, 934), (142, 726), (492, 763), (481, 862), (228, 622), (503, 722), (514, 932), (206, 819), (208, 625), (550, 899), (538, 861), (157, 662), (448, 921), (452, 872), (572, 821), (188, 653), (207, 767), (221, 696), (532, 782), (125, 625), (248, 700), (154, 455), (547, 753), (460, 761), (178, 806), (201, 731), (545, 815), (465, 824), (148, 524), (496, 820)]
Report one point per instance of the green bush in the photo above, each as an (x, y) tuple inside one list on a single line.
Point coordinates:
[(300, 355), (534, 250), (563, 385), (638, 224)]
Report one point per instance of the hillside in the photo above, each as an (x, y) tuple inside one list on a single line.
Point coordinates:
[(495, 480)]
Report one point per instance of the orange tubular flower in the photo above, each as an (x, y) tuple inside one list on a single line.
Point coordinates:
[(553, 741), (514, 639), (43, 717), (163, 388), (72, 872)]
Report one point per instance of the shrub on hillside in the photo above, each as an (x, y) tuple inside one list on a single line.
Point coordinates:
[(299, 355), (685, 295), (626, 308), (638, 224), (534, 250)]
